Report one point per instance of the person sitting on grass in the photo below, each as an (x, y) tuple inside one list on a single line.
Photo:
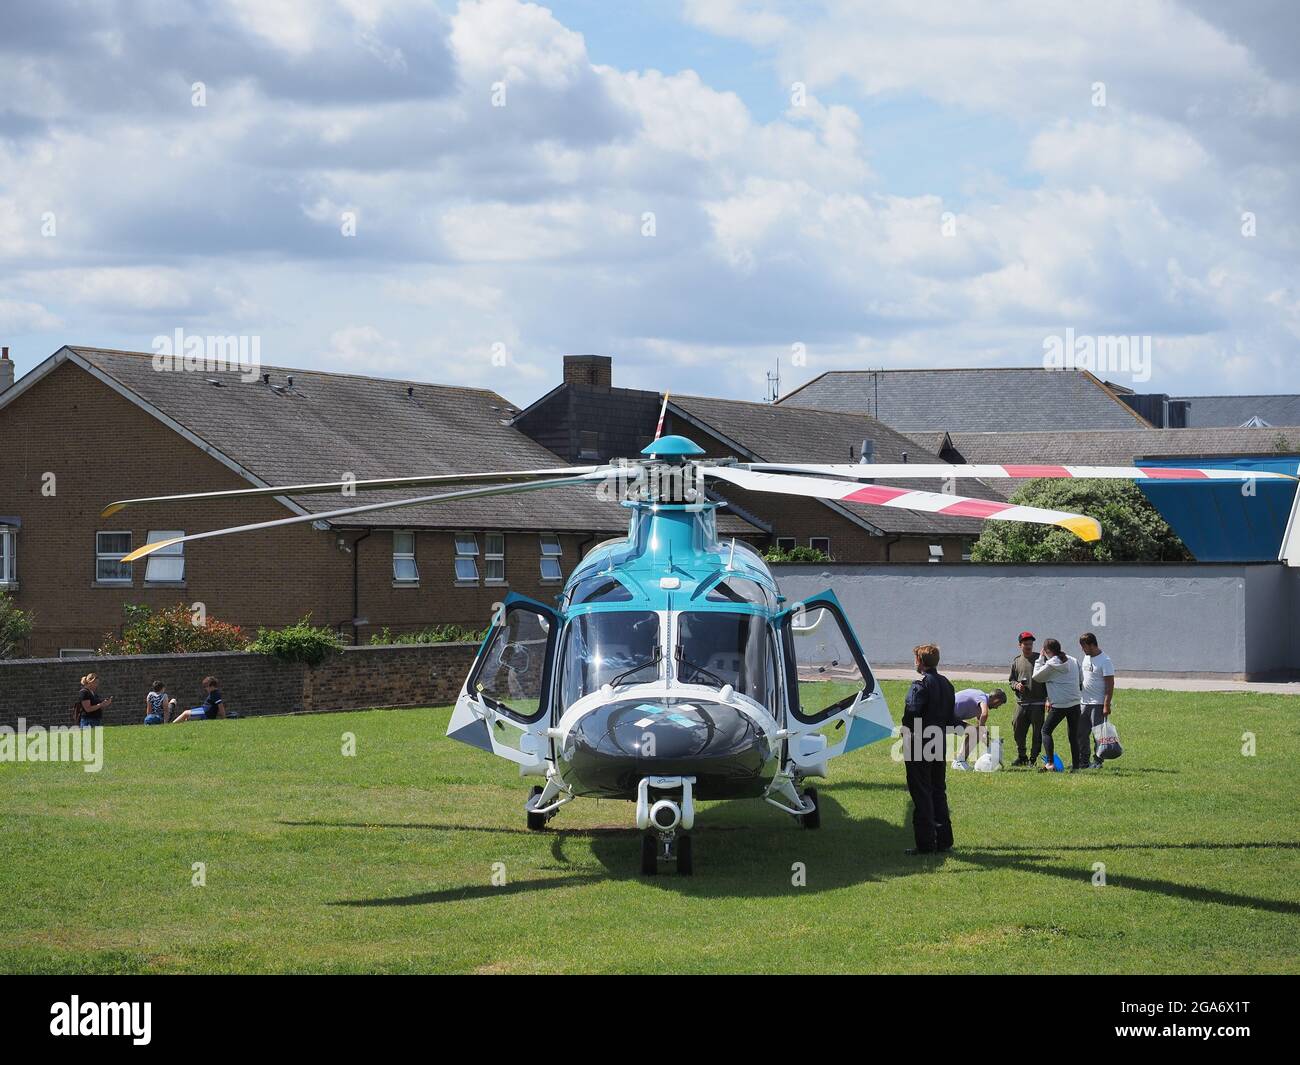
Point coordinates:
[(973, 703), (213, 706), (158, 705)]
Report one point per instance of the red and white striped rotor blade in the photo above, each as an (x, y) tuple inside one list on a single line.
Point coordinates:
[(888, 471), (1084, 527)]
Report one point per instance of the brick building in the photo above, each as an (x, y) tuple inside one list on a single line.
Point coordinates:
[(586, 419), (88, 426)]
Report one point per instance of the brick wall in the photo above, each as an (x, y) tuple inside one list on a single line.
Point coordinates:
[(41, 690)]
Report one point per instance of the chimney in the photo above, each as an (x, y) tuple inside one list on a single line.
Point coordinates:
[(868, 452), (597, 370), (6, 370)]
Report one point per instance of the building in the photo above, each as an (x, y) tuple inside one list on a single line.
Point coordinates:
[(1263, 412), (585, 419), (971, 400), (89, 426)]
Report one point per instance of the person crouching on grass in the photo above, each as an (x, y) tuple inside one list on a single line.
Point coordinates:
[(971, 703), (213, 706), (927, 716)]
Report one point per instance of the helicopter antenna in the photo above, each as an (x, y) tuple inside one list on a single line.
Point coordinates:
[(662, 411)]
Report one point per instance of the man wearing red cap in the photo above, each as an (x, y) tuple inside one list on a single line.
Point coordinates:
[(1031, 696)]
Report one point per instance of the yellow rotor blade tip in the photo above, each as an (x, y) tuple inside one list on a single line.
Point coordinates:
[(111, 509), (1087, 529), (149, 549)]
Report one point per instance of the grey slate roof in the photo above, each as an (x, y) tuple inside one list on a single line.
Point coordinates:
[(970, 400), (775, 433), (330, 424), (1234, 411), (1111, 447)]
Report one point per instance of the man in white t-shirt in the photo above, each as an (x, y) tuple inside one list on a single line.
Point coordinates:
[(1098, 686)]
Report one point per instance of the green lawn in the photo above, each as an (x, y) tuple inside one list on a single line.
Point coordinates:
[(384, 861)]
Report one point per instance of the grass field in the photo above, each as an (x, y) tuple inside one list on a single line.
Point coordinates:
[(384, 861)]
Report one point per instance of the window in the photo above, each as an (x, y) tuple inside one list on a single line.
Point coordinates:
[(404, 568), (821, 543), (494, 558), (8, 567), (601, 588), (76, 652), (466, 558), (619, 647), (167, 564), (551, 554), (785, 543), (109, 549), (716, 649)]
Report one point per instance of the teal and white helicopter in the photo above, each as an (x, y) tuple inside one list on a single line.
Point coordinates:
[(671, 669)]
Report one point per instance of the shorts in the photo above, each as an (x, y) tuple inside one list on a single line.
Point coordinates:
[(153, 719), (198, 714)]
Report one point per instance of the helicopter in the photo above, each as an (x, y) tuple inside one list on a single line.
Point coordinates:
[(671, 670)]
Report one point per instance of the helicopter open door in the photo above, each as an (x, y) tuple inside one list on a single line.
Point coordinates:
[(504, 706), (833, 702)]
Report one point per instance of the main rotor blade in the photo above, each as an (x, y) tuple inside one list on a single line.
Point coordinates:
[(1084, 527), (888, 471), (503, 477), (369, 508)]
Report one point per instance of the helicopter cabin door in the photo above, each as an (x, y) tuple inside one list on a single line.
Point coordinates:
[(833, 703), (504, 706)]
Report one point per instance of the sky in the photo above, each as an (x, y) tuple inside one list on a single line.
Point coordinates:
[(707, 190)]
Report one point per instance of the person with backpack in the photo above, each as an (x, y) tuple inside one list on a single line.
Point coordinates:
[(158, 705), (88, 710)]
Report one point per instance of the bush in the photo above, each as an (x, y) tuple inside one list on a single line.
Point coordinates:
[(15, 627), (1132, 529), (171, 631), (432, 634), (797, 553), (300, 642)]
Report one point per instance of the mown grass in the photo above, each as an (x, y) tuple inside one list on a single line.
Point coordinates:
[(384, 861)]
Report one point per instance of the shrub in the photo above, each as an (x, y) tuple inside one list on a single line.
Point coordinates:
[(299, 642), (798, 553), (15, 627), (171, 631), (432, 634)]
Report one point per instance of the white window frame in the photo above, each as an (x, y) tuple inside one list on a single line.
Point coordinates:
[(174, 551), (787, 543), (463, 542), (814, 540), (113, 556), (76, 652), (490, 556), (8, 556), (405, 556), (552, 550)]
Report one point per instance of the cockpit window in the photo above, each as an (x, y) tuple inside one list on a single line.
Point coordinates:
[(717, 648), (602, 588), (613, 647), (741, 590)]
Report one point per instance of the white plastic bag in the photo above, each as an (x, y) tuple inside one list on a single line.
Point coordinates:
[(991, 760), (1108, 745)]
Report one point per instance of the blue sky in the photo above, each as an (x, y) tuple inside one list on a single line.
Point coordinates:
[(950, 190)]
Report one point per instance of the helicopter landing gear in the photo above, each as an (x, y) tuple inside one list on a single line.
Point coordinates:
[(536, 822), (673, 847), (812, 819)]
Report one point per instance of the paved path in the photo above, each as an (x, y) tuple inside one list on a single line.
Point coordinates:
[(1175, 684)]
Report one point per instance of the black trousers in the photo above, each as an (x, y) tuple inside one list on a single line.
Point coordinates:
[(1070, 715), (1090, 716), (929, 791), (1028, 722)]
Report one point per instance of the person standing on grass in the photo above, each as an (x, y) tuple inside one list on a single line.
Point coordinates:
[(90, 704), (1060, 672), (1030, 696), (927, 716), (971, 703), (213, 706), (1098, 688)]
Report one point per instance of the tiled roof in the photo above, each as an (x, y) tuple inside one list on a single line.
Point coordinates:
[(1208, 411), (970, 400), (777, 433), (1110, 447), (328, 425)]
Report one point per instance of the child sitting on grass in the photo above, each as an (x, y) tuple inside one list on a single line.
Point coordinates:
[(158, 706)]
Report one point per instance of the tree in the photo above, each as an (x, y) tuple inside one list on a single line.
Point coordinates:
[(1132, 530), (172, 631), (15, 627)]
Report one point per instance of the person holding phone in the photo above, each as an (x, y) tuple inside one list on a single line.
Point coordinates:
[(90, 704)]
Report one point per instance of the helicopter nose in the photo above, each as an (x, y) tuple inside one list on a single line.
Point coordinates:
[(613, 746)]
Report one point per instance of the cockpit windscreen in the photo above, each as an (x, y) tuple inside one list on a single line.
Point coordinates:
[(717, 648), (613, 647)]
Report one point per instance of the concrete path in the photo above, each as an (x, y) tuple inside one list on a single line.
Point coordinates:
[(1174, 684)]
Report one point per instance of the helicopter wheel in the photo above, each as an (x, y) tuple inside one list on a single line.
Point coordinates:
[(685, 863), (649, 854), (536, 822), (814, 819)]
